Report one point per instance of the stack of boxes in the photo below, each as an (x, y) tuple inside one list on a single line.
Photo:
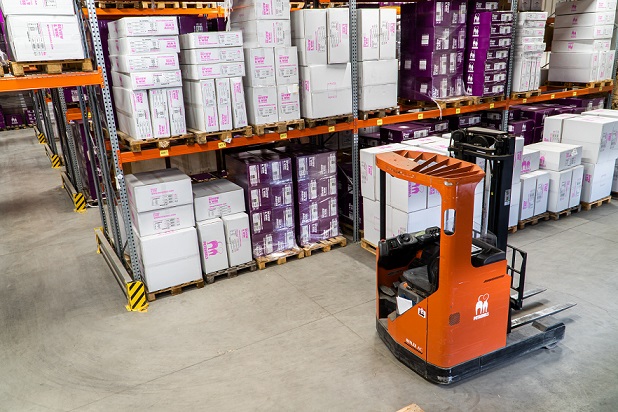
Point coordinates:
[(40, 30), (581, 47), (271, 63), (266, 177), (529, 49), (534, 190), (433, 44), (212, 67), (487, 51), (322, 38), (161, 206), (146, 77), (222, 225)]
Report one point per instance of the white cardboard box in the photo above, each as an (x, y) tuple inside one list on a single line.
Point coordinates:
[(574, 60), (368, 34), (310, 36), (399, 222), (598, 180), (584, 19), (552, 128), (377, 96), (581, 46), (515, 204), (143, 26), (144, 45), (576, 186), (224, 103), (517, 158), (528, 196), (212, 71), (615, 183), (405, 196), (288, 102), (326, 90), (559, 190), (601, 112), (210, 56), (530, 160), (162, 220), (201, 104), (286, 65), (584, 6), (260, 10), (217, 198), (371, 220), (176, 110), (136, 126), (158, 189), (265, 33), (159, 114), (584, 33), (207, 40), (375, 72), (44, 38), (338, 27), (260, 66), (595, 134), (147, 80), (558, 156), (237, 238), (262, 105), (370, 185), (132, 102), (158, 62), (213, 251), (388, 34), (33, 7), (169, 259), (239, 107)]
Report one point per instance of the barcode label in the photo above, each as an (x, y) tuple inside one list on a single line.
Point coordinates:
[(268, 244), (253, 175), (313, 211), (257, 223), (287, 195), (276, 166)]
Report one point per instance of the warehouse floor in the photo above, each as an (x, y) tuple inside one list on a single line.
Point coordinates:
[(299, 336)]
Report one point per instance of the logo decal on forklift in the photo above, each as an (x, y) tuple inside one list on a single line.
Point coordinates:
[(422, 313), (482, 307)]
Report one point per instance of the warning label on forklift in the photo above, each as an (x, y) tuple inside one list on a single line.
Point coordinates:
[(482, 307)]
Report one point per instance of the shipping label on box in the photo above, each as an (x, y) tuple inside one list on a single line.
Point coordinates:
[(239, 108), (286, 65), (157, 62), (213, 251), (144, 45), (288, 102), (262, 105), (224, 103), (157, 100), (338, 27), (261, 66), (176, 110), (238, 239), (143, 26)]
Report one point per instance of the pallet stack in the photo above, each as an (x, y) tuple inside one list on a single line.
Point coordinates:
[(529, 48)]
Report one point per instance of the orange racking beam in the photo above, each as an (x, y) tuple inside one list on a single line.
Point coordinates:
[(50, 81), (210, 13)]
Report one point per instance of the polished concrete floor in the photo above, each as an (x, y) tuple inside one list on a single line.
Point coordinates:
[(299, 336)]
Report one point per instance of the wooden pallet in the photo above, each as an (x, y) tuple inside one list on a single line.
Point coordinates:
[(279, 257), (565, 213), (136, 145), (597, 203), (329, 121), (378, 113), (451, 102), (589, 85), (231, 272), (533, 220), (325, 245), (21, 126), (226, 136), (368, 246), (492, 99), (174, 290), (525, 95), (615, 195), (279, 127), (513, 229), (20, 69)]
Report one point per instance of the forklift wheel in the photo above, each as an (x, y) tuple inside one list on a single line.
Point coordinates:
[(551, 345)]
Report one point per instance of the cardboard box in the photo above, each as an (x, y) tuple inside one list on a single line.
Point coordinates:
[(528, 196), (143, 26), (260, 10), (310, 36), (260, 66), (134, 125), (316, 188), (368, 34), (581, 46), (584, 19), (326, 90), (595, 134), (371, 220), (584, 33), (162, 220), (376, 72), (559, 190), (370, 187), (169, 259), (286, 65), (213, 251), (33, 7), (313, 210), (211, 56), (224, 103), (530, 160), (147, 80), (404, 195), (158, 189), (158, 62), (260, 168), (201, 105), (262, 105), (576, 185), (132, 102), (377, 97), (338, 28), (237, 238), (552, 129), (399, 222), (388, 34), (320, 230), (208, 40), (159, 115), (517, 158), (268, 197), (557, 156), (212, 71), (598, 180), (515, 204), (268, 221), (44, 38), (265, 33), (239, 107), (288, 102), (217, 198), (584, 6), (144, 45), (176, 110), (277, 241)]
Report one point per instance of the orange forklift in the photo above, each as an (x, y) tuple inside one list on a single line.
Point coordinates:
[(447, 299)]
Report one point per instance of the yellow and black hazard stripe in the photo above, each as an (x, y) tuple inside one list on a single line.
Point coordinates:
[(79, 200), (56, 161), (137, 297), (41, 138)]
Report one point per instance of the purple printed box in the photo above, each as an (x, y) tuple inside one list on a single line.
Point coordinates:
[(30, 116), (485, 89), (265, 221), (465, 120), (578, 110), (426, 64), (586, 102), (192, 24), (558, 109), (519, 127), (486, 77), (483, 66), (312, 189), (2, 124), (476, 6), (310, 162), (370, 139), (13, 120), (313, 210), (491, 124), (484, 55), (268, 197), (538, 135), (404, 131), (259, 168), (277, 241), (536, 113), (433, 13), (315, 231), (459, 12), (484, 30), (486, 18), (487, 43), (426, 88), (436, 125)]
